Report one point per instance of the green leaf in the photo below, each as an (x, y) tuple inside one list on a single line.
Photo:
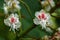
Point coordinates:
[(54, 14), (2, 38), (11, 35)]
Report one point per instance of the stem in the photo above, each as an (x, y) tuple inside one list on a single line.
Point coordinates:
[(53, 9), (19, 14), (27, 30), (40, 3), (20, 19), (27, 7)]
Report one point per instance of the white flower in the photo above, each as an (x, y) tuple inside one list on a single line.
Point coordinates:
[(46, 4), (5, 9), (13, 22), (11, 5), (58, 29), (52, 3), (42, 18)]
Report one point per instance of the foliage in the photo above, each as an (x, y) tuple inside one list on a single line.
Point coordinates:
[(29, 30)]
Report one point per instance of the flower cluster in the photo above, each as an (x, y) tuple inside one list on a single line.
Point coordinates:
[(47, 4), (12, 6), (42, 18)]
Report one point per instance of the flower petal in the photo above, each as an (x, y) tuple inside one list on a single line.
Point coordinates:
[(48, 30), (43, 24), (36, 21), (5, 9), (52, 3)]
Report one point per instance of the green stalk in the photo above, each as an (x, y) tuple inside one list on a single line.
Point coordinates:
[(20, 19), (26, 31), (27, 7)]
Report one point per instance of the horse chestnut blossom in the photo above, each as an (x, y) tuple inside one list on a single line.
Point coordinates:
[(13, 22), (42, 18), (11, 6), (47, 4)]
